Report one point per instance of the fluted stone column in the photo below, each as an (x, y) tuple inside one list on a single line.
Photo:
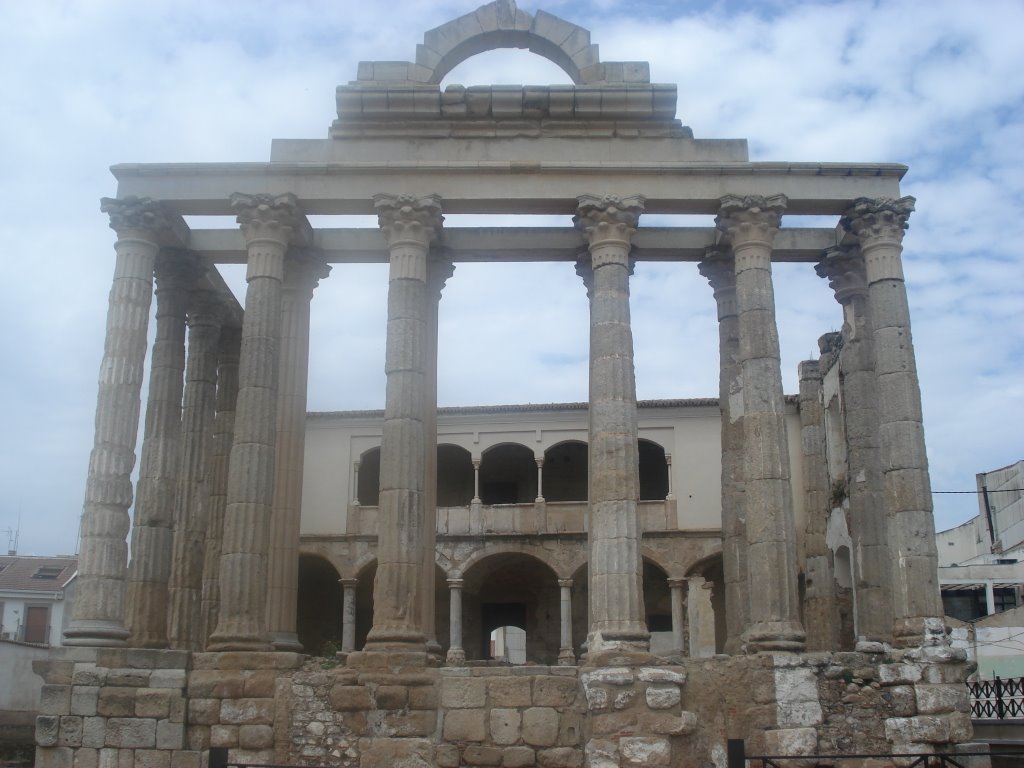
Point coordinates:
[(303, 271), (456, 654), (153, 527), (269, 225), (566, 655), (617, 621), (676, 587), (439, 269), (192, 507), (348, 614), (844, 269), (750, 224), (820, 617), (410, 225), (223, 436), (879, 226), (97, 616), (700, 617), (719, 268)]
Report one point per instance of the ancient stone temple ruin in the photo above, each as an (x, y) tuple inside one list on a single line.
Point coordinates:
[(750, 566)]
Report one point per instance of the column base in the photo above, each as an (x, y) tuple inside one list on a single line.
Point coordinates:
[(455, 657), (285, 641), (389, 662), (566, 658), (96, 634), (775, 636), (238, 642), (618, 648)]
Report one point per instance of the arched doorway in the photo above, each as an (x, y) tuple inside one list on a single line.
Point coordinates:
[(517, 590), (319, 604), (653, 471), (454, 476), (368, 488), (565, 472), (508, 475)]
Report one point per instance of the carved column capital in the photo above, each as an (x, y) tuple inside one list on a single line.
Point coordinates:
[(408, 218), (843, 267), (455, 583), (135, 213), (608, 219), (750, 219), (440, 268), (268, 217), (348, 583), (304, 269), (874, 220), (565, 583), (719, 270)]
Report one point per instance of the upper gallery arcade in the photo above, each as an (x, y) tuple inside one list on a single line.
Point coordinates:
[(219, 500)]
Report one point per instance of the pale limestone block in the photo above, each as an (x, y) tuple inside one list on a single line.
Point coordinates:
[(247, 711), (84, 699), (475, 754), (152, 758), (87, 673), (624, 698), (937, 699), (224, 736), (87, 758), (505, 726), (55, 699), (116, 702), (94, 732), (70, 731), (899, 674), (255, 736), (540, 726), (167, 678), (609, 675), (108, 758), (153, 702), (47, 730), (554, 691), (904, 700), (645, 751), (510, 691), (601, 753), (447, 756), (464, 725), (597, 698), (661, 675), (131, 732), (662, 696), (464, 693), (185, 759), (55, 757)]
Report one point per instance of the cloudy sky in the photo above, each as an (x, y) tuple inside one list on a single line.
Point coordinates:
[(936, 85)]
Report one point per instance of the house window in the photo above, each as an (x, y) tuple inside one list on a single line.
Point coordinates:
[(48, 572), (37, 624)]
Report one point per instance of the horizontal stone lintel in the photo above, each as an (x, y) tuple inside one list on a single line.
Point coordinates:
[(508, 244), (503, 186)]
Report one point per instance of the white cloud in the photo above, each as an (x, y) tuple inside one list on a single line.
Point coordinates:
[(936, 86)]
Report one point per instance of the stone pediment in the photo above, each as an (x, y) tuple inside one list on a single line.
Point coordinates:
[(605, 99)]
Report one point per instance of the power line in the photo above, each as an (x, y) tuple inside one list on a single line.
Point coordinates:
[(990, 490)]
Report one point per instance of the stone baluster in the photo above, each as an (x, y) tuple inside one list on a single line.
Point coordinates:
[(439, 270), (303, 271), (153, 527), (269, 225), (676, 587), (410, 225), (456, 654), (879, 226), (566, 655), (355, 484), (348, 614), (192, 508), (98, 613), (844, 269), (750, 225), (540, 481), (476, 483), (820, 617), (223, 435), (617, 622)]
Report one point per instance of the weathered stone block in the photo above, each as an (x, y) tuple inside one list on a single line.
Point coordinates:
[(505, 725), (108, 758), (128, 678), (540, 726), (84, 699), (224, 736), (131, 732), (391, 696), (477, 755), (667, 723), (88, 674), (247, 711), (518, 757), (447, 756), (899, 674), (464, 725), (170, 735), (55, 699), (259, 684), (94, 732), (70, 731), (554, 692), (644, 751), (510, 691), (153, 702), (937, 699), (661, 675), (597, 698), (798, 714), (791, 741), (87, 758), (463, 693), (623, 699), (560, 757), (255, 736), (47, 730), (401, 723), (613, 723), (931, 729), (396, 753), (423, 697), (197, 737), (55, 757), (903, 700), (152, 758), (116, 702), (350, 698), (185, 759), (203, 711), (609, 676), (662, 696), (54, 671), (167, 678), (947, 673)]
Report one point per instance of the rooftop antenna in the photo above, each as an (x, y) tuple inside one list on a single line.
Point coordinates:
[(12, 538)]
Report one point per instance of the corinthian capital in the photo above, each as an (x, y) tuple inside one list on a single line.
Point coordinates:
[(717, 268), (139, 213), (881, 220), (843, 267), (304, 269), (608, 218), (750, 218), (269, 217), (408, 218), (440, 268)]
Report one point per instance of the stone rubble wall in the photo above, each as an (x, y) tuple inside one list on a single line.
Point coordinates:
[(116, 708)]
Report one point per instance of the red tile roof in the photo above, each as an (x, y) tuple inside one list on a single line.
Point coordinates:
[(42, 574)]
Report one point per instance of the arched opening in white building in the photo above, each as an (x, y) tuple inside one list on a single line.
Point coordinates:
[(508, 475), (565, 471)]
